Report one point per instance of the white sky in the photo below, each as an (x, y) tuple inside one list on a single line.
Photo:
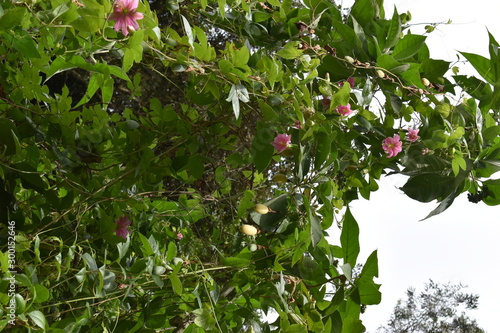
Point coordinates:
[(460, 245)]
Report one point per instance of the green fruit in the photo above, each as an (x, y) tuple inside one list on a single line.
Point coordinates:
[(275, 100), (132, 124), (280, 178), (171, 42), (158, 270), (177, 260)]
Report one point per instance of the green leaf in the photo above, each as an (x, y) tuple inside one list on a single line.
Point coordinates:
[(349, 238), (316, 231), (146, 247), (187, 30), (38, 318), (370, 268), (236, 262), (176, 284), (12, 18), (262, 150), (171, 251), (369, 292), (443, 205), (26, 46), (204, 319), (482, 65), (290, 51), (9, 144), (394, 32), (90, 261), (270, 221), (408, 46), (364, 11), (41, 292), (323, 147), (295, 328), (428, 187)]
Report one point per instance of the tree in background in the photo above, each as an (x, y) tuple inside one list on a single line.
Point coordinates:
[(439, 308), (176, 165)]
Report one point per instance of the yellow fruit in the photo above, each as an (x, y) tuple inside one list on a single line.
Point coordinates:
[(380, 74), (425, 82), (280, 178), (248, 229), (261, 209)]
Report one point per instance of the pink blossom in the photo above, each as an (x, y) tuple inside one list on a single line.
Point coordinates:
[(392, 146), (125, 16), (344, 109), (122, 223), (413, 134), (281, 142), (425, 151), (180, 236)]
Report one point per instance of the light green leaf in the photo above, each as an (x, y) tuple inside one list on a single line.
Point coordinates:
[(408, 46), (38, 318)]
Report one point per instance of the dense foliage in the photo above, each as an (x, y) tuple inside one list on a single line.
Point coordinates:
[(136, 141), (439, 308)]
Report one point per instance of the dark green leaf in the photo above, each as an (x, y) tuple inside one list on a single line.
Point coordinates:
[(428, 187), (349, 238)]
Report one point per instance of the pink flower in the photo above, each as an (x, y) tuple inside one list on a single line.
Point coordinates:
[(179, 236), (392, 146), (344, 109), (351, 82), (125, 16), (413, 134), (122, 223), (281, 142)]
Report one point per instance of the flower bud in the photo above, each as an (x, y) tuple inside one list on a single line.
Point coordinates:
[(380, 74), (248, 229), (261, 209)]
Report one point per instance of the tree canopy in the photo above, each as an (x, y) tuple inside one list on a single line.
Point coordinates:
[(439, 308), (176, 165)]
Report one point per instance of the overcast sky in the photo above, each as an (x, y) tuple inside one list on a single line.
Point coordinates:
[(461, 244)]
